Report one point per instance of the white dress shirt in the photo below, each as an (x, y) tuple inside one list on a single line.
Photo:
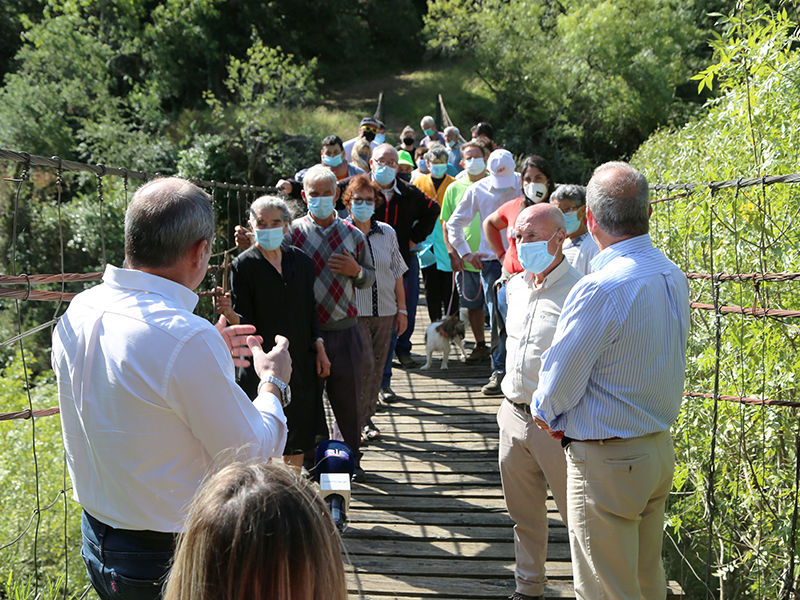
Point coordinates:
[(530, 325), (149, 403), (481, 198), (581, 251), (617, 364)]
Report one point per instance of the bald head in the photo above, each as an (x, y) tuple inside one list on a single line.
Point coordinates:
[(543, 219), (386, 152), (165, 218), (619, 199)]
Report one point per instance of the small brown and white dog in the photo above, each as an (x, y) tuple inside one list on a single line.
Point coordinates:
[(438, 337)]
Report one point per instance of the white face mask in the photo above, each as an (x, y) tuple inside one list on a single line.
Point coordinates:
[(535, 192), (475, 166)]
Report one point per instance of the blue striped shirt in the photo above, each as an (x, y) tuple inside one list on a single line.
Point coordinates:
[(616, 366)]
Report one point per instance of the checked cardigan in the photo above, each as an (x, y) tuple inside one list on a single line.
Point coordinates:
[(335, 293)]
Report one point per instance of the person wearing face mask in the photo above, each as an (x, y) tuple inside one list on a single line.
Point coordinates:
[(483, 198), (537, 183), (423, 168), (454, 150), (468, 278), (272, 288), (332, 156), (428, 126), (405, 165), (530, 460), (369, 130), (381, 307), (440, 291), (580, 247), (407, 141), (361, 153), (380, 137), (343, 263)]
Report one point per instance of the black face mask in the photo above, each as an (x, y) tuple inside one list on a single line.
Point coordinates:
[(369, 136), (405, 177), (408, 141)]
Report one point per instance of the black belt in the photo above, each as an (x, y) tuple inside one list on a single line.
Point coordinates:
[(566, 441), (526, 408)]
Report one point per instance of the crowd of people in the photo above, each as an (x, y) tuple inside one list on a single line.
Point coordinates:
[(588, 326)]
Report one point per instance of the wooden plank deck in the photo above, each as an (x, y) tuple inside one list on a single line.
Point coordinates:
[(430, 521)]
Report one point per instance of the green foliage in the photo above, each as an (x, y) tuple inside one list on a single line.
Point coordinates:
[(26, 475), (748, 131), (579, 82)]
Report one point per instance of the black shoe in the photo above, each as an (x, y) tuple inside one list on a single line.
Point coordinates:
[(387, 396), (493, 387), (406, 361), (359, 476)]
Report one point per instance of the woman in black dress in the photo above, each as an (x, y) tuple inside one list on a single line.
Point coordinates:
[(272, 285)]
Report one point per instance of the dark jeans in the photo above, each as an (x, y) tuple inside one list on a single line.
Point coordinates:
[(123, 564), (492, 270), (402, 345), (441, 294)]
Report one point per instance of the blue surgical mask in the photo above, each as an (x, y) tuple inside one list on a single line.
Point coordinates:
[(269, 239), (384, 174), (451, 143), (573, 223), (475, 166), (428, 132), (438, 170), (362, 212), (332, 161), (321, 206), (380, 138), (534, 257), (422, 165)]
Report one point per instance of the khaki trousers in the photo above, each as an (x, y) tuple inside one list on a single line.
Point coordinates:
[(529, 460), (616, 492)]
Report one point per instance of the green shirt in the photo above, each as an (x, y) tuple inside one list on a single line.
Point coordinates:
[(452, 197)]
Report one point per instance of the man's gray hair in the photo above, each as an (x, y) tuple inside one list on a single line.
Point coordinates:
[(570, 191), (451, 131), (427, 119), (619, 198), (165, 218), (268, 202), (436, 151), (318, 174)]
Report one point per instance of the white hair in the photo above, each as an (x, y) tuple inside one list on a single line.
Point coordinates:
[(318, 174)]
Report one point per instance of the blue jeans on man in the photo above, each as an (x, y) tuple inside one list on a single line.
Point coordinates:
[(123, 564), (491, 272), (402, 344)]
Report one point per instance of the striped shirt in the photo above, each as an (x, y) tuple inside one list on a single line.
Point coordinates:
[(616, 366), (379, 299), (581, 251)]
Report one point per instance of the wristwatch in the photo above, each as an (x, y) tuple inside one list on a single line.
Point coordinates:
[(286, 391)]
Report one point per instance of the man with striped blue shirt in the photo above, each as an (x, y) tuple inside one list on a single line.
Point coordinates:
[(610, 388)]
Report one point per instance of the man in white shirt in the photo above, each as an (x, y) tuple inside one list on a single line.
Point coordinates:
[(580, 247), (483, 198), (529, 458), (149, 403)]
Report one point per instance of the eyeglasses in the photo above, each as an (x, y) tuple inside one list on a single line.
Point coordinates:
[(569, 210), (359, 201), (385, 163)]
